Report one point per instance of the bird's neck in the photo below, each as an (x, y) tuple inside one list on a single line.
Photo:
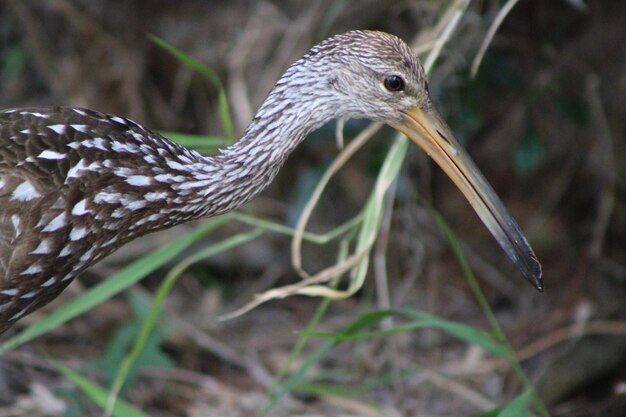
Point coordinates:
[(225, 181)]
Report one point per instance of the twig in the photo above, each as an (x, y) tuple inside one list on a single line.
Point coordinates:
[(504, 11), (380, 257), (452, 19), (338, 163), (606, 165), (552, 339), (463, 391), (241, 54), (214, 346)]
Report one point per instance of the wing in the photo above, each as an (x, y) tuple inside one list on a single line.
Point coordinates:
[(55, 166)]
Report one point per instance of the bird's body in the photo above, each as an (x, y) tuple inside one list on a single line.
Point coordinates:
[(76, 184), (98, 182)]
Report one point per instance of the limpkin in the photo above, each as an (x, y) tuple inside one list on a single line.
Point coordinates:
[(77, 184)]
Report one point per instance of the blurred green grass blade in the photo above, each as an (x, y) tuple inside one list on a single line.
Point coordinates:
[(315, 320), (489, 413), (97, 394), (319, 239), (340, 389), (320, 390), (112, 286), (422, 320), (13, 57), (120, 342), (484, 305), (275, 391), (209, 74), (461, 331), (334, 11), (365, 320), (469, 275), (197, 142), (161, 294), (297, 377), (375, 207), (351, 331), (530, 152), (517, 407), (390, 377)]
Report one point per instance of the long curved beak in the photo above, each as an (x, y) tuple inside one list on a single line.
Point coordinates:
[(431, 133)]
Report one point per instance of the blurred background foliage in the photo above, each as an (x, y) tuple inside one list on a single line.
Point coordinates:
[(544, 118)]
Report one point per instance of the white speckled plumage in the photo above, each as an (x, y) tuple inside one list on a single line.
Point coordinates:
[(76, 184)]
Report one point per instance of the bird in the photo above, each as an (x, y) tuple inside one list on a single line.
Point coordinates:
[(77, 184)]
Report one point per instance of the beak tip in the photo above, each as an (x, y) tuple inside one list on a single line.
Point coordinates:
[(536, 276), (425, 127)]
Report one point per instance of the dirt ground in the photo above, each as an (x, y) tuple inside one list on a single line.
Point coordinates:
[(544, 118)]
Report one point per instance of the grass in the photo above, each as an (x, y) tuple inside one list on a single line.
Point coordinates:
[(355, 239)]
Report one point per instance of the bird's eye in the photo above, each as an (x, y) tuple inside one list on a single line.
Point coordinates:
[(394, 83)]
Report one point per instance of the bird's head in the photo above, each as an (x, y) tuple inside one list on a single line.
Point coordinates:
[(375, 75), (369, 75)]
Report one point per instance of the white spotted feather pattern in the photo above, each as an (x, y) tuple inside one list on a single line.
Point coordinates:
[(76, 184)]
